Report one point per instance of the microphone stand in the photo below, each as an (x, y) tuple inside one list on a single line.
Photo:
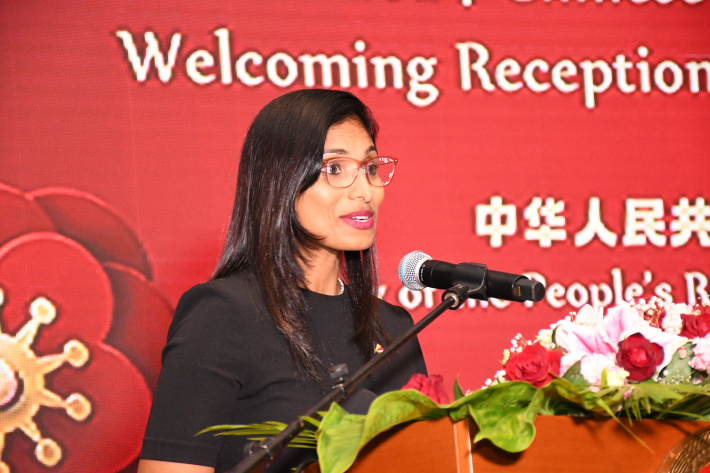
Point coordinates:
[(266, 450)]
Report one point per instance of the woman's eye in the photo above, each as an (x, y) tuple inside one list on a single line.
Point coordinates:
[(372, 169), (333, 168)]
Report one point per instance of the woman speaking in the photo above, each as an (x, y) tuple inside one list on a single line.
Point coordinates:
[(293, 292)]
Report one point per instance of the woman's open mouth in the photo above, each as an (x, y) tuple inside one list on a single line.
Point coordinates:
[(361, 219)]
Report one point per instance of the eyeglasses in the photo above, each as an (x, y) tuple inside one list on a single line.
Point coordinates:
[(342, 172)]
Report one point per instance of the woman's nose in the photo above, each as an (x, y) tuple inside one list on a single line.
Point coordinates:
[(361, 188)]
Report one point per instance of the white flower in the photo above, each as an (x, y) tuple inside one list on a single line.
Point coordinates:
[(506, 356), (498, 378), (588, 316), (616, 376), (545, 338), (672, 322), (592, 367)]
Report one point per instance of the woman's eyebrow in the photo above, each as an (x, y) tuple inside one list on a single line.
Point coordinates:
[(344, 152), (339, 151)]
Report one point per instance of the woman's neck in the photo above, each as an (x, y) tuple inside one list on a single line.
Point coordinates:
[(320, 272)]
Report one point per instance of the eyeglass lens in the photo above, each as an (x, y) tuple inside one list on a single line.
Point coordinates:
[(342, 172)]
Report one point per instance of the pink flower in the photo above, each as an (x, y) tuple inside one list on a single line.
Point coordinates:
[(594, 333), (431, 386), (701, 354)]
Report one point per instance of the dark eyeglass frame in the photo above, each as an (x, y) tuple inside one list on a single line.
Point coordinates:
[(362, 167)]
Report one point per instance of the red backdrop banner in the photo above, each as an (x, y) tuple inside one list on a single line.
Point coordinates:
[(567, 140)]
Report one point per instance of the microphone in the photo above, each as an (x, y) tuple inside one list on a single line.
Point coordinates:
[(417, 270)]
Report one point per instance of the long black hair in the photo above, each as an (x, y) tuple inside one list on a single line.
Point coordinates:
[(281, 157)]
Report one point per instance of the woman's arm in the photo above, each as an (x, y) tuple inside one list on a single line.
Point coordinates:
[(198, 385), (154, 466)]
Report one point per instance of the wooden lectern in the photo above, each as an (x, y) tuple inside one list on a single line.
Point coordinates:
[(562, 445)]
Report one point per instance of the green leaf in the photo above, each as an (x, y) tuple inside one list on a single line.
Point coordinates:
[(603, 401), (397, 407), (259, 432), (338, 437), (311, 420), (574, 375), (678, 369), (670, 401), (504, 414), (341, 435), (458, 392), (265, 428)]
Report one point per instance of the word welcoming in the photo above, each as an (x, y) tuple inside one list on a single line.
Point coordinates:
[(251, 68)]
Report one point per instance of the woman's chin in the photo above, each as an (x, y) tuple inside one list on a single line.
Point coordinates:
[(362, 245)]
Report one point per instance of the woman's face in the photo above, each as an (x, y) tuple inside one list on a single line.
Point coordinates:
[(344, 218)]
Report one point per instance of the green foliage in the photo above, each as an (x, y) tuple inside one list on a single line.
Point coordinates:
[(574, 374), (504, 413), (258, 432), (678, 370), (342, 435), (339, 432), (669, 401)]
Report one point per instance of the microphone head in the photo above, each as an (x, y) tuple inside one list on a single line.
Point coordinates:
[(409, 270)]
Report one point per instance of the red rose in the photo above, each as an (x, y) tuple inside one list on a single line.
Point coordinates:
[(535, 364), (695, 326), (431, 386), (639, 357)]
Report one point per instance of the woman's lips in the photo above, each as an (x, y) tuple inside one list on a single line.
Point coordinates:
[(361, 219)]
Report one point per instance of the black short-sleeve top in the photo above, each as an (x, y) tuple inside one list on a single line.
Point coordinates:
[(226, 363)]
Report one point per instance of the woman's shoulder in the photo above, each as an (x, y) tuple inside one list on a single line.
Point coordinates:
[(218, 303), (393, 314), (237, 286)]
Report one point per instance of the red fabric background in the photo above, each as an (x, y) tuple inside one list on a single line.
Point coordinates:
[(150, 167)]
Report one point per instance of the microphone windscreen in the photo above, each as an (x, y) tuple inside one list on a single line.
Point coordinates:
[(409, 268), (359, 401)]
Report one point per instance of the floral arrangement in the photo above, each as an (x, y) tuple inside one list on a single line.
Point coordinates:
[(639, 360), (636, 342)]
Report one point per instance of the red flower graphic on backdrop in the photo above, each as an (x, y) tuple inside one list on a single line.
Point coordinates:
[(81, 333)]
